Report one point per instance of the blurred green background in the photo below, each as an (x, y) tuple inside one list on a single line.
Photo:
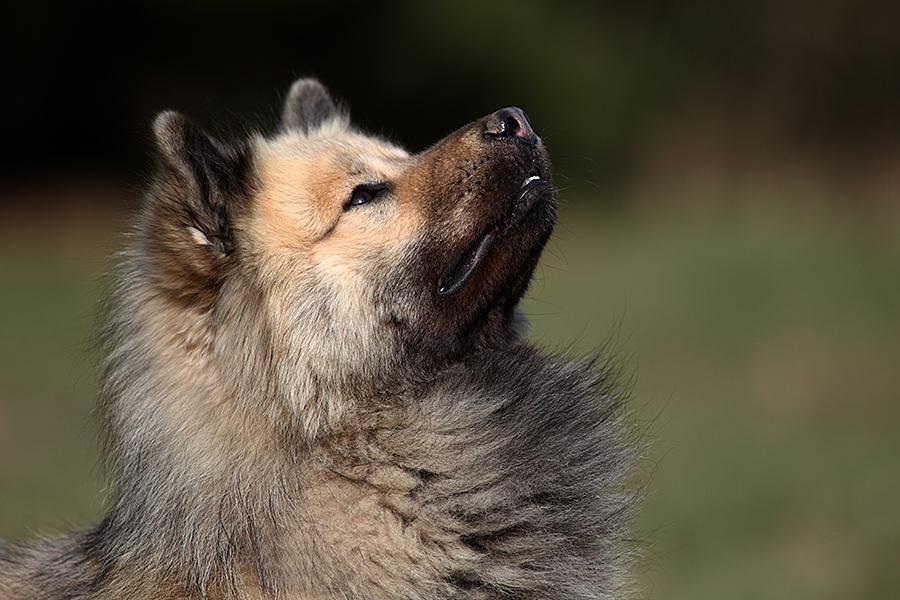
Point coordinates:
[(729, 226)]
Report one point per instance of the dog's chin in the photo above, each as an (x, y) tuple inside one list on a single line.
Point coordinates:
[(533, 192)]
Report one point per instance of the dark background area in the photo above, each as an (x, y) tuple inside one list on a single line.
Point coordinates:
[(602, 80), (729, 227)]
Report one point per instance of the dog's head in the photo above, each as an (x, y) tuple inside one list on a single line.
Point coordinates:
[(328, 257)]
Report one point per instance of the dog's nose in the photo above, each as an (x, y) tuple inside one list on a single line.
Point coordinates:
[(510, 122)]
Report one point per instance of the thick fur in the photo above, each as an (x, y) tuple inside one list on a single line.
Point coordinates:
[(315, 386)]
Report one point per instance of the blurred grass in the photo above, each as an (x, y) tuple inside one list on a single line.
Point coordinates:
[(765, 342), (764, 339), (54, 242)]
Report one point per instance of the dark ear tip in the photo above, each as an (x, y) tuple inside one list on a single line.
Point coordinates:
[(166, 121), (307, 105), (306, 86), (169, 129)]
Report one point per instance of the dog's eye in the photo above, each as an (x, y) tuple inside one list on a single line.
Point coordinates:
[(363, 194)]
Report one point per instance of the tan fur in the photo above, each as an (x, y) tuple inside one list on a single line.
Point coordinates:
[(298, 211), (309, 399)]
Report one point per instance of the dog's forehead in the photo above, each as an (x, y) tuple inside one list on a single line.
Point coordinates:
[(336, 150)]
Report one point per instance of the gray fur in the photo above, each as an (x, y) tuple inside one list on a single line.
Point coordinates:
[(308, 105), (455, 461)]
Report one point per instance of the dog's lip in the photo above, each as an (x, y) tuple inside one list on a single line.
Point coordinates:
[(461, 269), (532, 179), (465, 264), (526, 199)]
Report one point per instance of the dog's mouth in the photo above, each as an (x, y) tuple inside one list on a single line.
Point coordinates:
[(467, 262)]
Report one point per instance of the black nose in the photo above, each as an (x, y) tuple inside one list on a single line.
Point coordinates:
[(510, 122)]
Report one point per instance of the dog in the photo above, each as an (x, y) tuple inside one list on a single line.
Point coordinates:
[(316, 384)]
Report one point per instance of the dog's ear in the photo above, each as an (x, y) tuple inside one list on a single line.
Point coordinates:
[(200, 184), (307, 106), (206, 177)]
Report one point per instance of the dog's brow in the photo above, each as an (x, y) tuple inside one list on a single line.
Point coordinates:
[(357, 168), (369, 173)]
